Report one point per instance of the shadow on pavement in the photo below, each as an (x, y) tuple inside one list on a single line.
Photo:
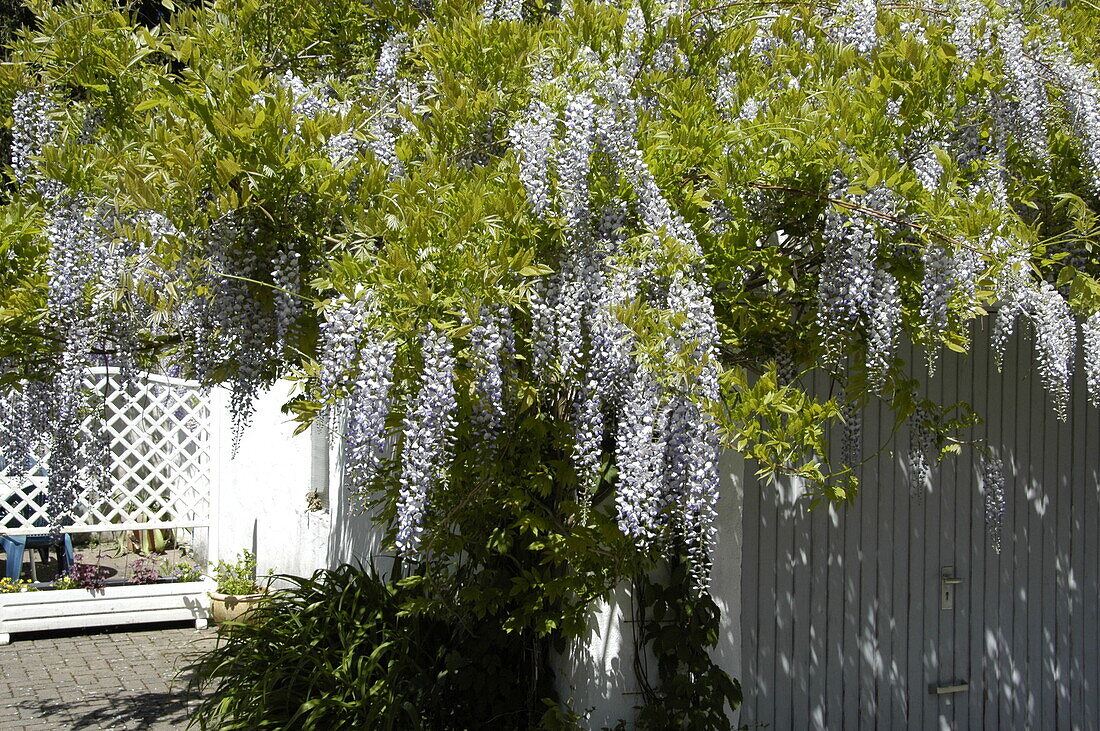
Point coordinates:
[(127, 709)]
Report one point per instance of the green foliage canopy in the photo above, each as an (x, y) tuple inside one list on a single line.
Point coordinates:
[(821, 181)]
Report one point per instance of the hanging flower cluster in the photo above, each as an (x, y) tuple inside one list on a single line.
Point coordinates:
[(666, 444), (286, 276), (855, 292), (626, 328), (492, 347), (502, 10), (1055, 335), (922, 451), (370, 402), (854, 23), (928, 169), (356, 370), (428, 432), (1079, 85), (993, 478), (34, 126), (1090, 332), (1025, 87)]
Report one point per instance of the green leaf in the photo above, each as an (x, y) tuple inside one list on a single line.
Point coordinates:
[(535, 270)]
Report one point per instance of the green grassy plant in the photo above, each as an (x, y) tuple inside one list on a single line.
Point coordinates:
[(342, 650)]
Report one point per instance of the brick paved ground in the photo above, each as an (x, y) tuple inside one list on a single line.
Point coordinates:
[(113, 678)]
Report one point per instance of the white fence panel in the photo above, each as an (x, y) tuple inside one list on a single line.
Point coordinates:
[(160, 442)]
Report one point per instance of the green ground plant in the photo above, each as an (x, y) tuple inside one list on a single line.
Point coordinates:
[(340, 650)]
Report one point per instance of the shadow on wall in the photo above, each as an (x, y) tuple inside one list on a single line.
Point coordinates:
[(596, 671), (354, 536)]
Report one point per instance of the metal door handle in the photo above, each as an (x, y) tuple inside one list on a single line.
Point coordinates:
[(955, 686)]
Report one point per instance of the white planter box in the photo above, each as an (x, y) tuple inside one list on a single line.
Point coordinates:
[(30, 611)]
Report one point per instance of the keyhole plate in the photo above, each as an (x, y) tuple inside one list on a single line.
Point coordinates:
[(948, 582)]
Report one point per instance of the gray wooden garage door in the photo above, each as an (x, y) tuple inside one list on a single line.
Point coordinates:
[(842, 622)]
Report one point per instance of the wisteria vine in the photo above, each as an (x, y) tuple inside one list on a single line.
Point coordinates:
[(626, 330)]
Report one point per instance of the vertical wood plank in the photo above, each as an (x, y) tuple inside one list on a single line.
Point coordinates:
[(1010, 559), (902, 579), (963, 485), (1016, 587), (867, 608), (851, 616), (1045, 509), (1079, 683), (895, 567), (803, 610), (1090, 588), (1061, 544), (838, 565), (783, 689), (1034, 550), (1006, 684), (1014, 575), (995, 431), (942, 504), (834, 637), (916, 685), (978, 667), (769, 566), (887, 561), (751, 566), (820, 525)]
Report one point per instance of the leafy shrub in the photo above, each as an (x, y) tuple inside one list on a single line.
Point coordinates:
[(237, 578), (342, 650)]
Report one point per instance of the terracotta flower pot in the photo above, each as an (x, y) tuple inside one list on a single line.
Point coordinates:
[(233, 607)]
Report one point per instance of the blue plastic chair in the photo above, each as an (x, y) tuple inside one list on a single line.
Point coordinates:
[(15, 546)]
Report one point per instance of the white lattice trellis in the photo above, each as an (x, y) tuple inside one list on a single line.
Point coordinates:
[(160, 436)]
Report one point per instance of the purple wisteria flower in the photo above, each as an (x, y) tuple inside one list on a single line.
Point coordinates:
[(993, 478), (368, 405), (489, 353), (428, 434)]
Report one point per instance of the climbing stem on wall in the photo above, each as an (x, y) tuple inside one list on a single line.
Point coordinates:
[(675, 627)]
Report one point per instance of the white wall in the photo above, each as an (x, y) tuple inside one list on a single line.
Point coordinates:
[(260, 493), (596, 673)]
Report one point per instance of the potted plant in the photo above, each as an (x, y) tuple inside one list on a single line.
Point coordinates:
[(237, 591)]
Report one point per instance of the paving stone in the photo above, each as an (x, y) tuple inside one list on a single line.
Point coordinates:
[(112, 679)]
